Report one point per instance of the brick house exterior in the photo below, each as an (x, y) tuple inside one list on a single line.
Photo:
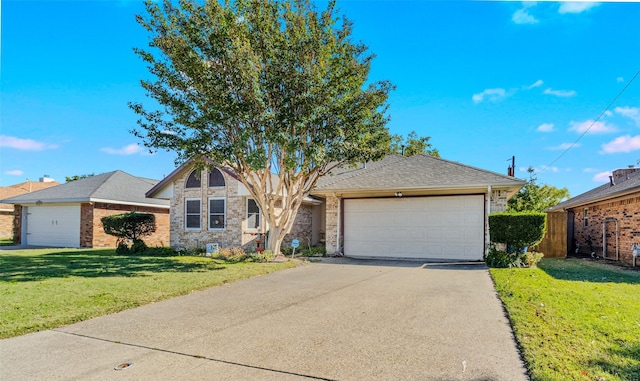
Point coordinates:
[(610, 212), (185, 186), (200, 198), (7, 210), (85, 202)]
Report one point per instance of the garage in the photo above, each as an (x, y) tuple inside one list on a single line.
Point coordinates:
[(56, 226), (436, 227)]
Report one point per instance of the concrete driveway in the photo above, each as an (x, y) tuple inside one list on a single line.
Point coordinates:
[(339, 319)]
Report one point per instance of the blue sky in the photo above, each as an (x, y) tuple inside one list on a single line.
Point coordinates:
[(486, 80)]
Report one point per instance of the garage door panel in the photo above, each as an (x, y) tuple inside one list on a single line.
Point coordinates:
[(56, 226), (417, 227)]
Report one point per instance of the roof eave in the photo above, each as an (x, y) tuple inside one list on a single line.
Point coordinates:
[(86, 200), (512, 187), (597, 199)]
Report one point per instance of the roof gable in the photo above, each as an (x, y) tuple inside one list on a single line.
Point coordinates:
[(414, 172), (629, 185), (116, 187)]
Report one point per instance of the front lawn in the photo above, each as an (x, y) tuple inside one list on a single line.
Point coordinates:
[(47, 288), (575, 319)]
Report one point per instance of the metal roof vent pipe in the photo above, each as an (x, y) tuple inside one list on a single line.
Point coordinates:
[(611, 181)]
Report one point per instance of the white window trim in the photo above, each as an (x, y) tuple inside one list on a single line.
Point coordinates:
[(585, 218), (246, 216), (209, 213), (199, 214)]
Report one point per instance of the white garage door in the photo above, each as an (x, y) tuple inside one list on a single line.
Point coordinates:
[(449, 227), (56, 226)]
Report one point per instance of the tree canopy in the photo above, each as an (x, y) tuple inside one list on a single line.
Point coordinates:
[(262, 87), (69, 179), (534, 197), (412, 145)]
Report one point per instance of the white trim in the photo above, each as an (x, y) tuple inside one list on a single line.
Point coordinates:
[(186, 200), (246, 216), (90, 199), (224, 199)]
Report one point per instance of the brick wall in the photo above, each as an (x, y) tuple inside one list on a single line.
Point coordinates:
[(17, 224), (625, 210), (92, 231), (301, 228), (332, 211), (6, 224), (231, 236)]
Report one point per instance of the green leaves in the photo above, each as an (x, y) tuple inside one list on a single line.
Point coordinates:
[(536, 197), (518, 229)]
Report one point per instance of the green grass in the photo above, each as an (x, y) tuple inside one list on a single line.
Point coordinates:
[(6, 241), (575, 319), (47, 288)]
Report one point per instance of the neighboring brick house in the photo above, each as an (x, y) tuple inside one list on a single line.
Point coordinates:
[(6, 210), (399, 207), (213, 206), (605, 221), (69, 215)]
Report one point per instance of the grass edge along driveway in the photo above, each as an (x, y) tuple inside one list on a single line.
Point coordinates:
[(47, 288), (574, 319)]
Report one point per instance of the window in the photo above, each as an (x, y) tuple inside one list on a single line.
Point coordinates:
[(216, 179), (192, 214), (193, 181), (586, 217), (216, 213), (253, 214)]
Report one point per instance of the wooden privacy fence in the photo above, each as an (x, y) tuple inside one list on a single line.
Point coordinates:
[(554, 243)]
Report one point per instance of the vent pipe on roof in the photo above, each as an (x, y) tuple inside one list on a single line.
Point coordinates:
[(611, 182)]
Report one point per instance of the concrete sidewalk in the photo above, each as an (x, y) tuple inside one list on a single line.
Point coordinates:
[(335, 320)]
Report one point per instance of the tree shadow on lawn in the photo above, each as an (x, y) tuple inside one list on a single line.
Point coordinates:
[(627, 364), (91, 264), (580, 270)]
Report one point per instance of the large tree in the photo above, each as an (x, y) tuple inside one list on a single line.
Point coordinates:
[(266, 88), (534, 197), (412, 145)]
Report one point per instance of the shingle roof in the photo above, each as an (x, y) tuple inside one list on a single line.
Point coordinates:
[(419, 171), (629, 185), (115, 187), (22, 188)]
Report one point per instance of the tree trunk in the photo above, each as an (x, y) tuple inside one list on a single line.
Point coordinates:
[(274, 239)]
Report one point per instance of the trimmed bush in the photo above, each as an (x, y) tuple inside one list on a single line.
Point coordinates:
[(517, 230), (503, 259)]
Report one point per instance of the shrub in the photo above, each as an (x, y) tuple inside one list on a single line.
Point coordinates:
[(517, 230), (129, 226), (122, 248), (233, 254), (265, 256), (503, 259), (138, 247), (159, 252)]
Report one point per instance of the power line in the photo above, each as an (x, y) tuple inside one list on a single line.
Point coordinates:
[(592, 123)]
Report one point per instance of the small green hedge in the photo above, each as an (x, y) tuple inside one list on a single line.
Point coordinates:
[(518, 230)]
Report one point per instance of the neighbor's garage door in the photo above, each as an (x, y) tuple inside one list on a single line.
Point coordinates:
[(56, 226), (449, 227)]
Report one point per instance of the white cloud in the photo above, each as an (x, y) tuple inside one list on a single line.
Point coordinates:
[(632, 113), (576, 6), (620, 79), (563, 146), (24, 144), (168, 132), (537, 83), (626, 143), (492, 95), (590, 170), (602, 177), (559, 93), (591, 126), (130, 149), (608, 113), (522, 16), (545, 127), (15, 172)]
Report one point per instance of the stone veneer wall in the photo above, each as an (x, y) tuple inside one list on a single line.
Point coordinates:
[(235, 233), (301, 228), (626, 211)]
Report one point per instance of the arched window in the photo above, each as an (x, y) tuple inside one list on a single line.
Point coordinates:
[(216, 179), (193, 181)]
